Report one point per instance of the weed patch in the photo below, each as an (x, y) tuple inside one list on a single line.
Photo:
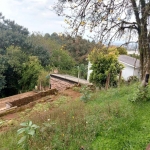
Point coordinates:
[(108, 121)]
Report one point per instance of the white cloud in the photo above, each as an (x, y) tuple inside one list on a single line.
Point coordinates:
[(33, 14)]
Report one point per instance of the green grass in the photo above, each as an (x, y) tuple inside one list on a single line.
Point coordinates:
[(109, 121)]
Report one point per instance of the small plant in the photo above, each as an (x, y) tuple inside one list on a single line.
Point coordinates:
[(1, 123), (76, 88), (141, 94), (86, 94), (132, 79), (27, 131), (46, 128)]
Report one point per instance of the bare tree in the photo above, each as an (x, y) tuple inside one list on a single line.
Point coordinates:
[(108, 20)]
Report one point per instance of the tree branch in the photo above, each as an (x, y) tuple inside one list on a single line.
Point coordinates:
[(136, 12)]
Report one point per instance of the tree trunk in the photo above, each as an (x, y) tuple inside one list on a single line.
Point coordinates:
[(144, 50), (107, 82)]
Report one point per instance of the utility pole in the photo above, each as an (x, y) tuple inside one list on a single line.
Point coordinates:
[(78, 73)]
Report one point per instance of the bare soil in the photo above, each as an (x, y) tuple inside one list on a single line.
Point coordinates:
[(69, 92)]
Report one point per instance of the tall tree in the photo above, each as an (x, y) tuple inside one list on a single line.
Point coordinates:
[(12, 65), (78, 47), (2, 69), (111, 19), (12, 34), (62, 60), (104, 63), (45, 41), (30, 73)]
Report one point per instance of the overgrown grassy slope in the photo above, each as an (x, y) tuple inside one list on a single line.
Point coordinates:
[(109, 121)]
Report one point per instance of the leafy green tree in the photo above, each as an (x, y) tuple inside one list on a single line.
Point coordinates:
[(2, 69), (45, 41), (12, 34), (122, 50), (42, 47), (54, 36), (2, 83), (15, 48), (78, 47), (42, 54), (30, 73), (104, 61), (13, 61), (83, 71), (43, 79), (47, 36), (62, 60)]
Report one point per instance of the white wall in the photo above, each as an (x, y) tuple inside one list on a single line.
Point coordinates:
[(137, 72), (89, 71), (129, 71), (133, 52)]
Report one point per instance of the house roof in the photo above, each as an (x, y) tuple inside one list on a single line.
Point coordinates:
[(129, 61)]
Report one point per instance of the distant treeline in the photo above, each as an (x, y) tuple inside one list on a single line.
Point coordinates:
[(25, 57)]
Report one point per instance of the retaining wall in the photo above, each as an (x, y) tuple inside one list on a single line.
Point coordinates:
[(61, 84), (36, 96)]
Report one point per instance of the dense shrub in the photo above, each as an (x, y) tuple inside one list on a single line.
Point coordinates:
[(141, 94), (104, 61)]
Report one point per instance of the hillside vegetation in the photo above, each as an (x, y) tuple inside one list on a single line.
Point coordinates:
[(107, 121), (22, 51), (27, 57)]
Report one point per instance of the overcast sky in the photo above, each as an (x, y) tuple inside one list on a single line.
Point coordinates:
[(36, 15)]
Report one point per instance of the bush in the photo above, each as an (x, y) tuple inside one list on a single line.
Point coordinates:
[(27, 131), (104, 61), (86, 94), (132, 79), (141, 94), (43, 79)]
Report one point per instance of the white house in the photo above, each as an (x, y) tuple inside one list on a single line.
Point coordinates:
[(89, 70), (131, 67), (133, 52)]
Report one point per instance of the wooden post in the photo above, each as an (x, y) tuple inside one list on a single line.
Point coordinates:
[(49, 81), (107, 82), (120, 75), (40, 86), (78, 74)]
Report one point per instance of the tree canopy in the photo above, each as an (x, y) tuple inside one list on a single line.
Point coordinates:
[(104, 62), (12, 33), (111, 20), (62, 60)]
